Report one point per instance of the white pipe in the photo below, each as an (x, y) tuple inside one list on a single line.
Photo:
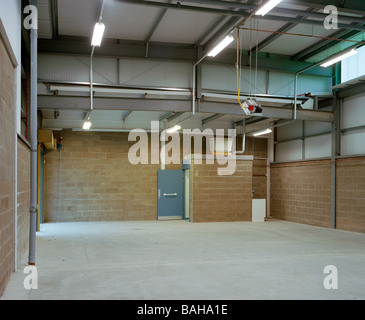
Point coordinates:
[(91, 65), (295, 95), (91, 81), (163, 145), (295, 104), (243, 139), (194, 75), (194, 82), (102, 11)]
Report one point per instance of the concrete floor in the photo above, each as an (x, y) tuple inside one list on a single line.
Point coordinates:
[(176, 260)]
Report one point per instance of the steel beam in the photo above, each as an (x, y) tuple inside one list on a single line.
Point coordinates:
[(350, 91), (359, 128), (179, 6), (303, 137), (209, 31), (276, 10), (272, 37), (117, 48), (250, 121), (287, 27), (169, 52), (126, 115), (166, 115), (323, 44), (268, 112), (174, 116), (355, 7), (83, 103), (238, 13), (226, 28), (54, 12), (156, 24), (310, 22), (212, 118)]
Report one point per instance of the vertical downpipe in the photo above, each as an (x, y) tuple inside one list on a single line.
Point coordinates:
[(295, 95), (333, 163), (34, 143), (91, 80), (194, 80)]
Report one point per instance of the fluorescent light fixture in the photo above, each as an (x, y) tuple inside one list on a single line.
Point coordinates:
[(261, 133), (222, 45), (339, 58), (87, 125), (173, 129), (98, 34), (268, 6)]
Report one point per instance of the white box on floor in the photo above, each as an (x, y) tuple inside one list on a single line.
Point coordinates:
[(258, 210)]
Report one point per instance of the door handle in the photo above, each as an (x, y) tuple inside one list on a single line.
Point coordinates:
[(170, 194)]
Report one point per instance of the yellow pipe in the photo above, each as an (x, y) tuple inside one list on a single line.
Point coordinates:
[(238, 89), (39, 189)]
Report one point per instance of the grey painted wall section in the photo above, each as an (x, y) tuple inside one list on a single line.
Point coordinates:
[(289, 151), (319, 146), (220, 77), (290, 131), (353, 116), (155, 73), (353, 111), (315, 143)]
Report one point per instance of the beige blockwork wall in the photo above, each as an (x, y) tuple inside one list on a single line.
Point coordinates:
[(302, 193), (23, 199), (6, 166), (221, 198), (91, 179), (350, 195)]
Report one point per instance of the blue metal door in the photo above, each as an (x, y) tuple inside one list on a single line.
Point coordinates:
[(170, 194)]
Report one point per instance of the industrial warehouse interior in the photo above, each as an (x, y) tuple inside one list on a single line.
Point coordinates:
[(182, 150)]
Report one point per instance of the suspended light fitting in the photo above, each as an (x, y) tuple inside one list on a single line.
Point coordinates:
[(221, 46), (87, 125), (268, 6), (98, 34), (261, 133), (174, 129), (339, 58)]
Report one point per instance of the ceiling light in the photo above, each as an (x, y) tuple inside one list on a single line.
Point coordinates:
[(87, 125), (222, 45), (98, 34), (173, 129), (339, 58), (268, 6), (261, 133)]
